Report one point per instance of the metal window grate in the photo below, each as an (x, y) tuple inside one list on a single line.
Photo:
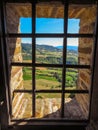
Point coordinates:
[(33, 35)]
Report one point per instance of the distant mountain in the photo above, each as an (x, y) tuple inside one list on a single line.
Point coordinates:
[(74, 48), (59, 47), (47, 48), (50, 54), (27, 47)]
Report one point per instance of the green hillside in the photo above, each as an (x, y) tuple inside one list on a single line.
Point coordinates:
[(48, 54)]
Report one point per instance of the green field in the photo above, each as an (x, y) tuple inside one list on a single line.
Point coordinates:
[(47, 78)]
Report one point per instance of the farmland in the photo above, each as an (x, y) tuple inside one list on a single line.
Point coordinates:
[(49, 78)]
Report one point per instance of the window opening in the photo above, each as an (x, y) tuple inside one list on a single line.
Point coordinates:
[(53, 75)]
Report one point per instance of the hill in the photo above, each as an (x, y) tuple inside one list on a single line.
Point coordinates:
[(50, 77), (50, 54), (47, 48)]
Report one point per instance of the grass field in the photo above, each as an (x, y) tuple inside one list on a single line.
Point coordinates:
[(49, 79)]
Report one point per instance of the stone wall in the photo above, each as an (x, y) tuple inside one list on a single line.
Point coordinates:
[(87, 24), (14, 50)]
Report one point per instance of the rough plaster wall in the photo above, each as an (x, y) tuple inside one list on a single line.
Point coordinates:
[(14, 50), (87, 24)]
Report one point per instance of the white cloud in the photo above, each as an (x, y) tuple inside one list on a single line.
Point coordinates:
[(27, 40), (52, 41), (72, 41)]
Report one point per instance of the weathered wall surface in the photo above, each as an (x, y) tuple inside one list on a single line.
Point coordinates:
[(87, 24), (14, 50), (87, 19)]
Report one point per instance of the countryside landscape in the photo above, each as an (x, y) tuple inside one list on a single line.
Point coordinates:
[(50, 78)]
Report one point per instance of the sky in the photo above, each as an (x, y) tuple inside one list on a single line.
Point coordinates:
[(49, 25)]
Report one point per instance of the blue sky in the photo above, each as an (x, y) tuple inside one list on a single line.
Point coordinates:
[(49, 25)]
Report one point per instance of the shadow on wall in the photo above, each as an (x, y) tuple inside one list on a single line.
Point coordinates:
[(49, 109), (72, 110)]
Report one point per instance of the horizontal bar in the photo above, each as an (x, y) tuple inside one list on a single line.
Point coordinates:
[(80, 35), (77, 91), (48, 35), (22, 91), (51, 120), (36, 65), (21, 64), (34, 35), (70, 1), (51, 91), (61, 65), (51, 65), (60, 91), (18, 35), (78, 66), (63, 35), (18, 1), (48, 91)]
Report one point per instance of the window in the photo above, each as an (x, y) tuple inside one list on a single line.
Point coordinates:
[(50, 46)]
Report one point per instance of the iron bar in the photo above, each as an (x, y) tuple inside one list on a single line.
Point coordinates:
[(64, 56), (61, 35), (52, 65), (33, 54)]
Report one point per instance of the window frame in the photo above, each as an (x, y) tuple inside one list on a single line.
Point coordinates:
[(33, 35)]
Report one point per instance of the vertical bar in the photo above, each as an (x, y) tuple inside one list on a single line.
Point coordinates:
[(4, 104), (64, 56), (93, 63), (33, 56), (7, 67)]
